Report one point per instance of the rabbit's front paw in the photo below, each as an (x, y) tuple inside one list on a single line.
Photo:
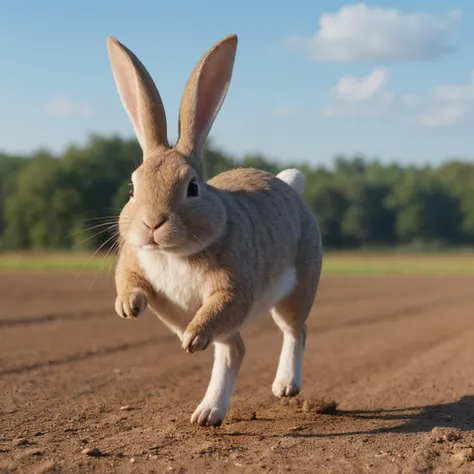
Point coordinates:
[(131, 304), (195, 340)]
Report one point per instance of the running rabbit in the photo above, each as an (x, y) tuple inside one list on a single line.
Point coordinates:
[(209, 257)]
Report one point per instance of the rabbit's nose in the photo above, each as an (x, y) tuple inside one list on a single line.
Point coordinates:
[(154, 224)]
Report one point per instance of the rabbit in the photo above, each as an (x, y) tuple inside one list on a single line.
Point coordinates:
[(209, 257)]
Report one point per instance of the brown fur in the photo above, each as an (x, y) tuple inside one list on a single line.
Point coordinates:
[(233, 244)]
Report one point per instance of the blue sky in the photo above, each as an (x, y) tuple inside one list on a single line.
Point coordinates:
[(390, 79)]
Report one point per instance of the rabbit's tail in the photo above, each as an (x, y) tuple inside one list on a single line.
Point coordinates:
[(295, 178)]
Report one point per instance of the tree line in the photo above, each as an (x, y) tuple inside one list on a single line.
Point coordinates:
[(68, 201)]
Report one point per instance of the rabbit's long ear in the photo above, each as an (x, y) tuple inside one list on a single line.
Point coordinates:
[(204, 94), (139, 96)]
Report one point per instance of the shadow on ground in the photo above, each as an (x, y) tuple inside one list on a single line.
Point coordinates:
[(457, 415), (419, 419)]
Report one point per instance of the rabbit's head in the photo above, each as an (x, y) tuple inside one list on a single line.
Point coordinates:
[(171, 207)]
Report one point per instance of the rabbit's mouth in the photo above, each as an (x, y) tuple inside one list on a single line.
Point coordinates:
[(153, 246)]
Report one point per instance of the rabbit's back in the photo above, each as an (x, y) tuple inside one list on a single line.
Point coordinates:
[(271, 233)]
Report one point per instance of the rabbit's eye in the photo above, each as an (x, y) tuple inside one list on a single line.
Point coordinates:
[(130, 192), (193, 189)]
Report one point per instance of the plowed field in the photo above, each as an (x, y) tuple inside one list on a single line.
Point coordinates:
[(388, 383)]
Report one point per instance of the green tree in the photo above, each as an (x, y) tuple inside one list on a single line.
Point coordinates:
[(44, 208), (458, 180), (425, 211), (66, 201), (330, 205), (368, 220), (9, 168)]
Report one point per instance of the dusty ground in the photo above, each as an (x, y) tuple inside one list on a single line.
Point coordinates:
[(395, 353)]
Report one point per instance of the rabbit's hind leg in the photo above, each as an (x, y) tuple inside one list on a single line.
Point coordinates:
[(289, 376), (290, 315), (228, 357)]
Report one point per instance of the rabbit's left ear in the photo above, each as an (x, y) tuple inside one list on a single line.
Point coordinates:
[(204, 94), (139, 96)]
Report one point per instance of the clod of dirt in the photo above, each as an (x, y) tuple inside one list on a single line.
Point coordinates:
[(296, 401), (127, 408), (207, 451), (440, 435), (320, 406), (461, 457), (22, 442), (95, 452), (242, 414), (436, 435), (452, 436), (297, 428), (35, 452), (423, 460)]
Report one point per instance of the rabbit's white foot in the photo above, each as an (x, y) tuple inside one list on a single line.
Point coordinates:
[(228, 356), (289, 377), (213, 408), (285, 388), (208, 414)]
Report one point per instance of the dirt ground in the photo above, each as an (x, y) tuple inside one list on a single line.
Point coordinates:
[(394, 353)]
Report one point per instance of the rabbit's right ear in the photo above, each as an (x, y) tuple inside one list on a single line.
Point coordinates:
[(139, 96), (204, 94)]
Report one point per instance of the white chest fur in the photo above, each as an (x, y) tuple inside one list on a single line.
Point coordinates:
[(175, 278)]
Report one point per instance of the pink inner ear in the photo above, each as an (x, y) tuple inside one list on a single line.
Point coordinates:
[(209, 93), (212, 86), (128, 90)]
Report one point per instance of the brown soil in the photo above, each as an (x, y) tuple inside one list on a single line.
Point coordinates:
[(388, 384)]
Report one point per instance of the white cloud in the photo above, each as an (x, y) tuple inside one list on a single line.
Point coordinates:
[(446, 105), (443, 116), (354, 88), (457, 92), (363, 33), (369, 96), (359, 96), (64, 106), (285, 111)]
